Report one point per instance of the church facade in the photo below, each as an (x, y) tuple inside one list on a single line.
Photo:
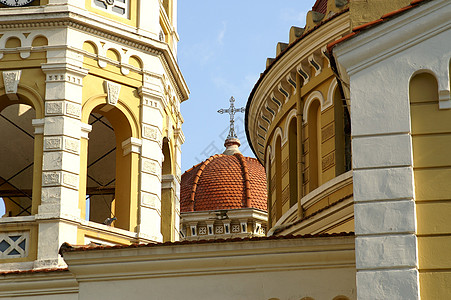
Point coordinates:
[(350, 121)]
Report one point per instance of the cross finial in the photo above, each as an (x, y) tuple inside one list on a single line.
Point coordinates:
[(231, 111)]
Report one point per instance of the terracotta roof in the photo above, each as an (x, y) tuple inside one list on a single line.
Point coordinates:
[(34, 271), (384, 18), (66, 247), (320, 6), (224, 182)]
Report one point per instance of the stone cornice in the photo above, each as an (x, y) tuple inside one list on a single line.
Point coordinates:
[(208, 258), (298, 54), (79, 21)]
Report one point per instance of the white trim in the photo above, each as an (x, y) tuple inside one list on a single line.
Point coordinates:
[(330, 93), (313, 96), (277, 132), (291, 115)]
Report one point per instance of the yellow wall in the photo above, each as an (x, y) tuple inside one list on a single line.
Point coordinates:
[(366, 11), (322, 157), (431, 139)]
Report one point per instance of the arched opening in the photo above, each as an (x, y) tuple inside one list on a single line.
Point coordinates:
[(17, 156), (167, 194), (293, 160), (278, 165), (109, 168), (314, 126)]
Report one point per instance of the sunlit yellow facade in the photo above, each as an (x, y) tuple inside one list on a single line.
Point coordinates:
[(90, 102)]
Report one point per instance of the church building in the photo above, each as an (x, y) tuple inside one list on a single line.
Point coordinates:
[(350, 122)]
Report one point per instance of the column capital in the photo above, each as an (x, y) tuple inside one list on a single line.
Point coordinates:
[(64, 72), (38, 125)]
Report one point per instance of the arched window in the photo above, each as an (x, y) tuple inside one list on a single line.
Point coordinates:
[(278, 182), (17, 155), (293, 160), (314, 138), (109, 169)]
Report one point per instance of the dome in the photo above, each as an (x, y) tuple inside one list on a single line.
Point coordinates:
[(224, 182)]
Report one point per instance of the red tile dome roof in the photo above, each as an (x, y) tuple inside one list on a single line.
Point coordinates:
[(224, 182)]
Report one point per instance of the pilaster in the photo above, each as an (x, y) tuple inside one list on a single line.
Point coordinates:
[(152, 113), (61, 161)]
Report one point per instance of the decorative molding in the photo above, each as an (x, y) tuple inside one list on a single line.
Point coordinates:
[(15, 244), (73, 109), (327, 132), (151, 167), (51, 178), (150, 200), (113, 90), (152, 133), (54, 108), (328, 161), (53, 143), (11, 81)]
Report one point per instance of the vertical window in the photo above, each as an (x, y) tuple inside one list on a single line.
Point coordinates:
[(314, 127), (278, 157), (293, 157)]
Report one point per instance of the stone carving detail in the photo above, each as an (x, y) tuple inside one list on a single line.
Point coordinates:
[(51, 178), (54, 108), (149, 200), (70, 179), (328, 161), (113, 90), (151, 133), (327, 132), (52, 143), (73, 109), (71, 145), (149, 166), (11, 81), (236, 228), (202, 230), (219, 229)]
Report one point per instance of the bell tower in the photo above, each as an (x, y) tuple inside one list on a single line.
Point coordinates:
[(90, 125)]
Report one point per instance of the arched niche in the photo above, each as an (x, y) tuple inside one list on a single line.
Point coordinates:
[(423, 88), (39, 40)]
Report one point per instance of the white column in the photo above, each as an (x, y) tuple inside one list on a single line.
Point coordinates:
[(61, 161), (386, 243), (152, 113)]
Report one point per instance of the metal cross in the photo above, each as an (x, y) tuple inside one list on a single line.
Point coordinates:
[(231, 111)]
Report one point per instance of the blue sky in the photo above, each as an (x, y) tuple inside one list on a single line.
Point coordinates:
[(222, 51)]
